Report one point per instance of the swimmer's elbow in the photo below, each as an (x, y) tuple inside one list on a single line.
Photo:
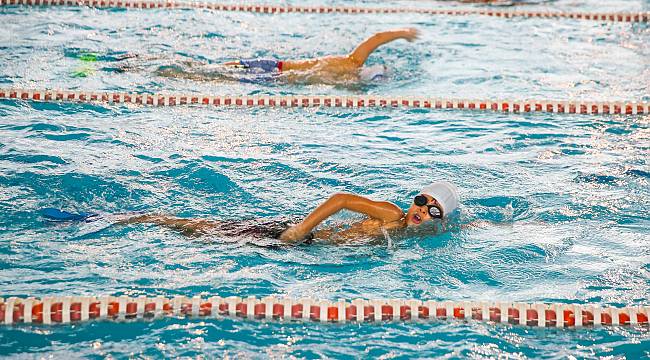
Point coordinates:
[(340, 198), (343, 200)]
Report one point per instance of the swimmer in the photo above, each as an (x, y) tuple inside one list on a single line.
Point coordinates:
[(334, 68), (435, 201)]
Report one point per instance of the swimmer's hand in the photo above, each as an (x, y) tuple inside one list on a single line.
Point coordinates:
[(293, 234), (410, 34)]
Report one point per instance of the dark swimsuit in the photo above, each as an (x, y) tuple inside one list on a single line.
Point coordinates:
[(260, 71), (265, 228), (263, 65)]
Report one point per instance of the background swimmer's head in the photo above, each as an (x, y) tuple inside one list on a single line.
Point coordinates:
[(373, 73), (441, 197)]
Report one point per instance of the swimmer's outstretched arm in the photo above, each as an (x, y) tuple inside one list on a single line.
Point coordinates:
[(382, 210), (361, 53)]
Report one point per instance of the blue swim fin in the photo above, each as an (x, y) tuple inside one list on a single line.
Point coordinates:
[(59, 215)]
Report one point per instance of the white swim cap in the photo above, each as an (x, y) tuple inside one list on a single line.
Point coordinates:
[(445, 193), (372, 73)]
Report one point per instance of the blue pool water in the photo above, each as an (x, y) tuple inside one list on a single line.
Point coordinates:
[(565, 197)]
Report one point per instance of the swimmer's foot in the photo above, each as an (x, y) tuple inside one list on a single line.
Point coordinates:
[(57, 215), (126, 56)]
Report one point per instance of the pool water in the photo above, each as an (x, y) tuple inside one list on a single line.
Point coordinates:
[(563, 199)]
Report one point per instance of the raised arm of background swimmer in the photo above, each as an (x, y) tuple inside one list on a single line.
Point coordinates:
[(361, 53), (357, 57), (382, 210)]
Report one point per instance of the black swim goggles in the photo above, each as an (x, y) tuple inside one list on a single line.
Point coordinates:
[(435, 211)]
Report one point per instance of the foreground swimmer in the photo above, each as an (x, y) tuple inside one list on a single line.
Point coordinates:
[(435, 201), (334, 68)]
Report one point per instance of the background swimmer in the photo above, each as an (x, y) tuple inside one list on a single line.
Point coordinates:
[(436, 201), (333, 70)]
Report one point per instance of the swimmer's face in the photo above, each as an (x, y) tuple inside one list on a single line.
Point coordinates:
[(417, 215)]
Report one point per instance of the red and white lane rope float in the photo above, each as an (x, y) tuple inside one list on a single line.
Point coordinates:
[(72, 309), (367, 101), (279, 9)]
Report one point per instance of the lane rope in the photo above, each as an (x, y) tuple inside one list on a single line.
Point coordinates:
[(74, 309), (364, 101), (280, 9)]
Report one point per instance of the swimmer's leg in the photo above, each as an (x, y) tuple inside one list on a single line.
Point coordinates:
[(179, 72), (124, 56), (189, 227), (127, 62)]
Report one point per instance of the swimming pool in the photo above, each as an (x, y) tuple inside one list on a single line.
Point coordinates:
[(565, 196)]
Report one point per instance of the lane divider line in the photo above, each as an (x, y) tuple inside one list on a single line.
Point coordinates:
[(70, 310), (304, 101), (281, 9)]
